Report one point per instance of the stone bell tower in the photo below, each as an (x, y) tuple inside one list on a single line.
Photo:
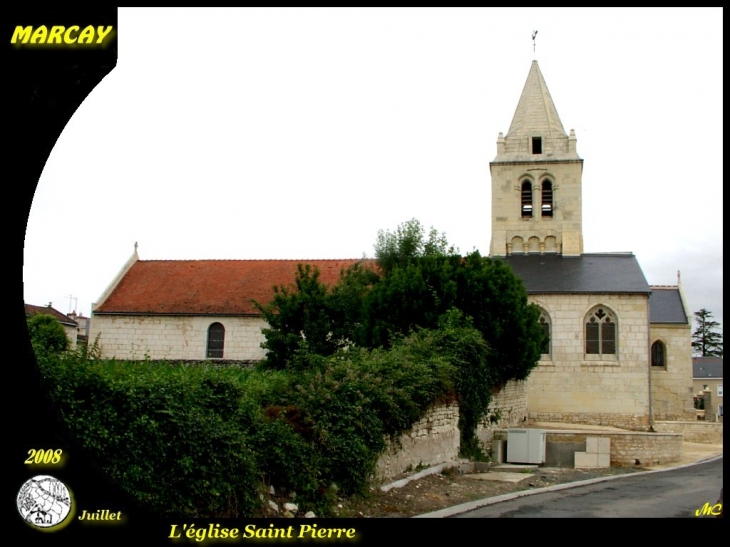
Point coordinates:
[(536, 180)]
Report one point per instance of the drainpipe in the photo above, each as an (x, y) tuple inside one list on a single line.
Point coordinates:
[(648, 336)]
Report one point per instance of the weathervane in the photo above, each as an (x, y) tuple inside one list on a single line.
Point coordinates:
[(533, 41)]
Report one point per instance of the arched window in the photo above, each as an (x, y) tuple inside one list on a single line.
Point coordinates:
[(658, 354), (216, 336), (601, 332), (547, 198), (526, 199), (545, 324)]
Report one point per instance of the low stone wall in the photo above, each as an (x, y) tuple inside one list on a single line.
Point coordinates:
[(627, 447), (507, 409), (693, 432), (432, 440), (634, 422)]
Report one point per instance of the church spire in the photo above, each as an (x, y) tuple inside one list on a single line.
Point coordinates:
[(536, 128)]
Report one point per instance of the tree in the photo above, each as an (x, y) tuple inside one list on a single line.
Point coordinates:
[(408, 242), (47, 335), (706, 340), (419, 278), (299, 319)]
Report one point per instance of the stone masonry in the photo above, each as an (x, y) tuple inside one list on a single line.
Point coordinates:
[(572, 387), (432, 440), (176, 337)]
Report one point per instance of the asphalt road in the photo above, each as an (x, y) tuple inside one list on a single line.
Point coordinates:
[(672, 493)]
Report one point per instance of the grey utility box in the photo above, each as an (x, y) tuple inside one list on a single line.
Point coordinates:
[(526, 445)]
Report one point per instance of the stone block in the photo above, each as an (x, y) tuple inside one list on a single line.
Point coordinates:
[(585, 460)]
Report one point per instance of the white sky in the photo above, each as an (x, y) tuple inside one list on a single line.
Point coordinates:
[(299, 133)]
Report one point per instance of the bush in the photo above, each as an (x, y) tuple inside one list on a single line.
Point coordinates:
[(47, 335)]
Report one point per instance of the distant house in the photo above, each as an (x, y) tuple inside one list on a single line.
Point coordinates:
[(69, 325), (82, 336), (707, 374)]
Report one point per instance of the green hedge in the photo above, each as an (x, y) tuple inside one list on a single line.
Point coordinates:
[(205, 441)]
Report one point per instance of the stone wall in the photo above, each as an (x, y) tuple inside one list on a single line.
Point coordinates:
[(432, 440), (507, 409), (175, 337), (513, 233), (671, 385), (694, 431), (570, 386)]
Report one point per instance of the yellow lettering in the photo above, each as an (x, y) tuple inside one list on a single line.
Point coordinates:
[(172, 532), (250, 530), (704, 510), (39, 36), (21, 33), (67, 38), (716, 509), (102, 33), (87, 35), (55, 37)]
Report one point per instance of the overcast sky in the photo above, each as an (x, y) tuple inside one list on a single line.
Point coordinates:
[(299, 133)]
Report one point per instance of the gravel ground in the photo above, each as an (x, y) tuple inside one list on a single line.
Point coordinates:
[(449, 488)]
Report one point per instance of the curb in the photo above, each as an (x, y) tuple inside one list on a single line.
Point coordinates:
[(471, 505)]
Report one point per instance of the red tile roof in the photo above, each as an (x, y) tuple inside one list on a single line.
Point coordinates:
[(31, 310), (207, 287)]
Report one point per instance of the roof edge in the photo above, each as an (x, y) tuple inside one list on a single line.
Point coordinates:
[(113, 285)]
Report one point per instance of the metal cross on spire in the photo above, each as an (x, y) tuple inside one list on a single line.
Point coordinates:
[(534, 34)]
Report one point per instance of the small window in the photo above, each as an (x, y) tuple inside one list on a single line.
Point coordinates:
[(601, 333), (216, 337), (526, 199), (719, 390), (658, 354), (719, 410), (537, 145), (547, 198)]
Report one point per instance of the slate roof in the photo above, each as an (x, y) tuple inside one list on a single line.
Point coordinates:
[(587, 273), (206, 287), (31, 310), (707, 367), (665, 306)]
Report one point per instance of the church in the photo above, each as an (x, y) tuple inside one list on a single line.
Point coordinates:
[(620, 350)]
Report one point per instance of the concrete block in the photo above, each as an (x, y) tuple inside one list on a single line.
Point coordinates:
[(604, 445), (585, 460), (604, 460), (592, 445)]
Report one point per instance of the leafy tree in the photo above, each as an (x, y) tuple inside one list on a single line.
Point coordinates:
[(299, 320), (47, 335), (419, 278), (706, 340), (408, 242)]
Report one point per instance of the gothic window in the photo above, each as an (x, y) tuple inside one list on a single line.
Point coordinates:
[(526, 199), (601, 332), (547, 198), (216, 336), (658, 354), (545, 324)]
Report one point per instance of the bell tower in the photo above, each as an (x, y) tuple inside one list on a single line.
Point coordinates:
[(536, 180)]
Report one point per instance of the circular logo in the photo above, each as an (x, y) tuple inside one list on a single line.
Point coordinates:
[(44, 501)]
